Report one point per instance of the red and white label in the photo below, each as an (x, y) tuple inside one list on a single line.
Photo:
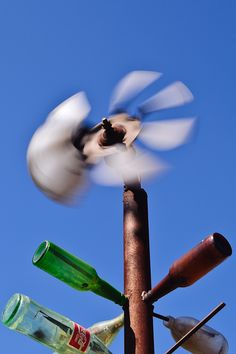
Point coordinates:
[(80, 338)]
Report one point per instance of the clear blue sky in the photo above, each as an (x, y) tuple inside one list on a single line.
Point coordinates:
[(53, 49)]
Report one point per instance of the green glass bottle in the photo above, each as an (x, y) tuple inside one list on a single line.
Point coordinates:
[(74, 271), (50, 328)]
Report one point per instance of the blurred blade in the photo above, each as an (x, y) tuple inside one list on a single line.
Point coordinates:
[(174, 95), (72, 111), (55, 165), (126, 166), (167, 134), (129, 87), (57, 169)]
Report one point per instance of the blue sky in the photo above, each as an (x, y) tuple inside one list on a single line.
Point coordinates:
[(53, 49)]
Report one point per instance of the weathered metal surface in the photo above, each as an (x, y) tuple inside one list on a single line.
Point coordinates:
[(192, 266), (137, 276)]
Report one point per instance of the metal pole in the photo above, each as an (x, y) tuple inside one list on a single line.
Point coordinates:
[(137, 274)]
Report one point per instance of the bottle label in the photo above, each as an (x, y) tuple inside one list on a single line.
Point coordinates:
[(80, 338)]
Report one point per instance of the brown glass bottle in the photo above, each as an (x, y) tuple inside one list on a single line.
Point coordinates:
[(192, 266)]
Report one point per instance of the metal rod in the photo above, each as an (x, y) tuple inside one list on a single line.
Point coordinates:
[(196, 328), (137, 274), (160, 317)]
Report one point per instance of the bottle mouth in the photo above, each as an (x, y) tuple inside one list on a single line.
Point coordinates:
[(41, 251), (11, 309), (222, 244)]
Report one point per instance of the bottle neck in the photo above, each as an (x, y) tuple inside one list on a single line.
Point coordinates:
[(119, 321), (165, 286), (104, 289)]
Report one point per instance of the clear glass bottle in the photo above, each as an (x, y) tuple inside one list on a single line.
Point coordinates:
[(50, 328), (74, 271), (205, 341), (107, 331)]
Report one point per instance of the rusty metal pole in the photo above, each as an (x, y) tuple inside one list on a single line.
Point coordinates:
[(137, 274)]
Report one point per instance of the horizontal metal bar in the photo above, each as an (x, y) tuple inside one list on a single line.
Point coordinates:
[(161, 317)]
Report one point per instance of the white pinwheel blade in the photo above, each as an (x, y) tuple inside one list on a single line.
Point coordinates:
[(72, 111), (55, 165), (167, 134), (174, 95), (126, 167), (57, 170), (129, 87)]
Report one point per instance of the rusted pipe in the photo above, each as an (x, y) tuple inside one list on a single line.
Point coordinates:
[(137, 275), (192, 266)]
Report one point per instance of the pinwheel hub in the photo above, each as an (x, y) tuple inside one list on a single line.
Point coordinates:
[(104, 138), (111, 135)]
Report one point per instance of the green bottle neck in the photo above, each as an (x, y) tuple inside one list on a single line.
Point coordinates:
[(104, 289)]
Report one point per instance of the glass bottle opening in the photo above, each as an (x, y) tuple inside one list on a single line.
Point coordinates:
[(11, 309), (222, 244), (40, 252)]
